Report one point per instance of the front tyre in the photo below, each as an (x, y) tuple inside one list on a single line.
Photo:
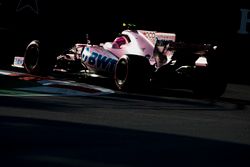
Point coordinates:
[(36, 58)]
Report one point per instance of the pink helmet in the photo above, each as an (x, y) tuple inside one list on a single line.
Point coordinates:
[(119, 41)]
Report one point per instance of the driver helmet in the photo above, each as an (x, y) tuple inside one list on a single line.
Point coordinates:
[(119, 41)]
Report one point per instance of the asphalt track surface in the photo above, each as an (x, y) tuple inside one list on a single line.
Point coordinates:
[(161, 128)]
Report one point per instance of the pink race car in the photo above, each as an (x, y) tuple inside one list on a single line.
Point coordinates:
[(137, 59)]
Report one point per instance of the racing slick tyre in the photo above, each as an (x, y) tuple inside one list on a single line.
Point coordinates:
[(211, 81), (36, 58), (132, 73), (208, 84)]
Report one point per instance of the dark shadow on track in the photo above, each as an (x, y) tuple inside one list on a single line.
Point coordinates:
[(181, 94), (153, 92), (8, 81), (113, 101), (31, 142)]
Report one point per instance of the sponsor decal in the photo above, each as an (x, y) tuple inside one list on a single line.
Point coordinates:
[(18, 61), (153, 36), (99, 61), (166, 36), (150, 35)]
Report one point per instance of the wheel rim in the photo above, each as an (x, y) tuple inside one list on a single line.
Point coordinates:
[(121, 72), (31, 57)]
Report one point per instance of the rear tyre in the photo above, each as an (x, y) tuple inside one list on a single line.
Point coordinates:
[(211, 81), (208, 84), (132, 73)]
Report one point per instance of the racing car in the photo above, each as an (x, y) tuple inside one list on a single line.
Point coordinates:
[(136, 59)]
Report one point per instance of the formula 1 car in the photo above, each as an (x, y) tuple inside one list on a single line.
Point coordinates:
[(135, 60)]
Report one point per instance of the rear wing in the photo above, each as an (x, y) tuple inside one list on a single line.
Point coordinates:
[(162, 45)]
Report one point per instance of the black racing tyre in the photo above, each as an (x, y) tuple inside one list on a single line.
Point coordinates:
[(211, 81), (208, 84), (132, 73), (38, 59)]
